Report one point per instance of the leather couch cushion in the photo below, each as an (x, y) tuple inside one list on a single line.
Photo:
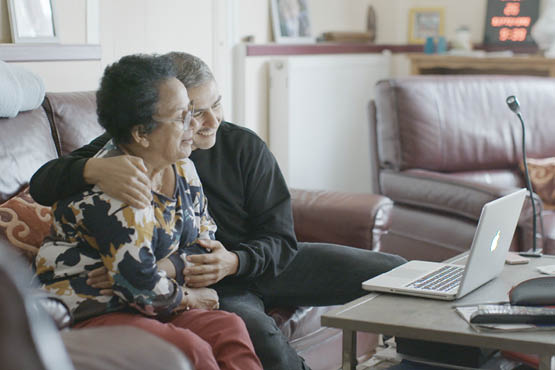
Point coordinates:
[(549, 232), (542, 177), (461, 194), (121, 348), (462, 123), (299, 322), (25, 145), (340, 218), (74, 115), (25, 223)]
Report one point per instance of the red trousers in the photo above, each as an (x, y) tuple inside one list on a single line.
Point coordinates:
[(209, 339)]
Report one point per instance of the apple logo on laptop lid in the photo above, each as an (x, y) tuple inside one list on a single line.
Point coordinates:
[(495, 241)]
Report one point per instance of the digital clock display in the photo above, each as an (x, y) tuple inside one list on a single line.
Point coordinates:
[(509, 22)]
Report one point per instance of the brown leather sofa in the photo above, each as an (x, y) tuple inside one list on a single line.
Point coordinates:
[(446, 145), (67, 121)]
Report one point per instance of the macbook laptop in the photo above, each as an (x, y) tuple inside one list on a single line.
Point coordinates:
[(486, 258)]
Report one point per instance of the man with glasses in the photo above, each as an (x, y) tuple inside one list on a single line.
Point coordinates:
[(255, 262)]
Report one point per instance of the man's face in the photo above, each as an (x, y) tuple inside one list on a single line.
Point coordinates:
[(208, 113)]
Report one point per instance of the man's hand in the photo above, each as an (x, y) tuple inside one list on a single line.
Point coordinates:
[(122, 177), (208, 269)]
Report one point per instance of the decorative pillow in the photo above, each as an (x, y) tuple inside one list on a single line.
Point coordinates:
[(542, 177), (25, 223)]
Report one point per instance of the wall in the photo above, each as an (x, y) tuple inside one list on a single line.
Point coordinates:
[(339, 15), (128, 26), (318, 125), (392, 17), (66, 75), (253, 17), (125, 27), (145, 26)]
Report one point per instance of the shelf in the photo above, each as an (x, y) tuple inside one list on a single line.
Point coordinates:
[(355, 48), (328, 48), (49, 52)]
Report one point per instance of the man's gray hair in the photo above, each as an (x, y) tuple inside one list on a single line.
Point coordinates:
[(191, 70)]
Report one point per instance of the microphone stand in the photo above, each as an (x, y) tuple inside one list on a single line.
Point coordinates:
[(515, 107)]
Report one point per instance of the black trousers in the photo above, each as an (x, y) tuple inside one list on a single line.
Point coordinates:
[(320, 275)]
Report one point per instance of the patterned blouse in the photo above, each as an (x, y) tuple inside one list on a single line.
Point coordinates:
[(92, 229)]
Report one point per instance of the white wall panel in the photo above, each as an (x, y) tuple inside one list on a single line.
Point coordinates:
[(318, 120), (147, 26), (67, 75)]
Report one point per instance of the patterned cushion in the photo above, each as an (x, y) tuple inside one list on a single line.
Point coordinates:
[(25, 223), (542, 177)]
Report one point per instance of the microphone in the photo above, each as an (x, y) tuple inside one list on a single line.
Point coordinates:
[(513, 104)]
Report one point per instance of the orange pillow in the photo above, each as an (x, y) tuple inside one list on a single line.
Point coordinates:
[(25, 223), (542, 177)]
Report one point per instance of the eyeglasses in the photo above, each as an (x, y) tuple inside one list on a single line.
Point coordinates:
[(186, 120)]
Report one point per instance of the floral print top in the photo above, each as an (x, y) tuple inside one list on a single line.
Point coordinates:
[(92, 229)]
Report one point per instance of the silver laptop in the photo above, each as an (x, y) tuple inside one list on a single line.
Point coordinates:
[(487, 255)]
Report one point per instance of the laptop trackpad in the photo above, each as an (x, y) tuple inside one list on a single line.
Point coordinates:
[(413, 269), (406, 273)]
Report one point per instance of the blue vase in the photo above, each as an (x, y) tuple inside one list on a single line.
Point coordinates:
[(430, 45), (441, 45)]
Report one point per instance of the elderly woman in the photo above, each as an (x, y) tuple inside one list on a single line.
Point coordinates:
[(147, 112)]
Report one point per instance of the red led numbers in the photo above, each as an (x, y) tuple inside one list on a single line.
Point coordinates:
[(511, 9), (509, 21), (512, 34)]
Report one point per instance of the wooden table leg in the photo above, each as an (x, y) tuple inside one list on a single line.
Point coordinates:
[(349, 350), (546, 362)]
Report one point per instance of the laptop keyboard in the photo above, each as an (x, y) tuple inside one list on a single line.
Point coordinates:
[(442, 280)]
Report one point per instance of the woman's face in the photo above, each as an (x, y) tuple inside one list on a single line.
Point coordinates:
[(171, 140)]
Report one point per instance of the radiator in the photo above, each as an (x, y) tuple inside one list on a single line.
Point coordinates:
[(318, 126)]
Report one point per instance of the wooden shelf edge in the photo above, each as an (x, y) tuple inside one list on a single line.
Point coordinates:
[(49, 52), (354, 48), (327, 48)]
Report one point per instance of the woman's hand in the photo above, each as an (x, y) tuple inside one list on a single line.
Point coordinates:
[(100, 279), (204, 298), (208, 269), (122, 177)]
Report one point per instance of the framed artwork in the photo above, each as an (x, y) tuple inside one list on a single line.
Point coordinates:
[(291, 21), (33, 21), (425, 22)]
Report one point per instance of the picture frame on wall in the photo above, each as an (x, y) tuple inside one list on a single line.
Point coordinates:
[(291, 21), (33, 21), (424, 23)]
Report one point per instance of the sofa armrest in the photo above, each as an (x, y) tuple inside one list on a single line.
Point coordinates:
[(441, 192), (457, 196), (357, 220)]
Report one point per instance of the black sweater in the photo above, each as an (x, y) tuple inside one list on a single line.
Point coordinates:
[(247, 196)]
